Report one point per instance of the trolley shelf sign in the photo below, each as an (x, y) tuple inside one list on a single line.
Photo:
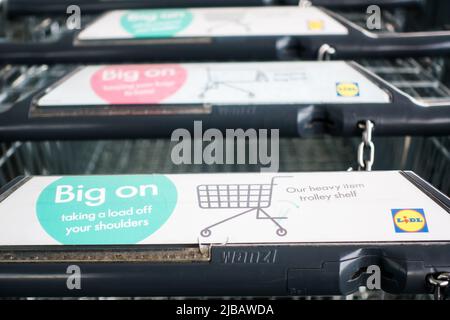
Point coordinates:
[(211, 22), (246, 83), (251, 208)]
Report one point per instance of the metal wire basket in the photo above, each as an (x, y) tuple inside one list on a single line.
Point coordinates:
[(427, 156)]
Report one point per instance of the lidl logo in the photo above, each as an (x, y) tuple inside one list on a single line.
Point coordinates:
[(315, 25), (347, 89), (409, 220)]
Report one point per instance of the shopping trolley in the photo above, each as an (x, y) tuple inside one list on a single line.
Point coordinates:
[(45, 7), (254, 197), (69, 46)]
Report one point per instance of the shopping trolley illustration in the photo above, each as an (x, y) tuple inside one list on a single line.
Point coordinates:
[(231, 19), (236, 80), (253, 197)]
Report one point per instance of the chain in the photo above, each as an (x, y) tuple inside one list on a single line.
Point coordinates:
[(440, 283), (366, 144), (304, 4), (325, 52)]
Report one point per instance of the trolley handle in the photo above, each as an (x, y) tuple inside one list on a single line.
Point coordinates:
[(332, 4), (407, 43), (25, 7), (360, 43)]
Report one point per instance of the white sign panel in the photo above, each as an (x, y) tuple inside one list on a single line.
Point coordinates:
[(221, 208), (215, 83), (212, 22)]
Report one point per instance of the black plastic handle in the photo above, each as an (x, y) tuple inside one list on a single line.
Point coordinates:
[(332, 4), (361, 43), (26, 7)]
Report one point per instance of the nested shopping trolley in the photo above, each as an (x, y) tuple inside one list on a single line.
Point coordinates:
[(423, 79), (255, 198)]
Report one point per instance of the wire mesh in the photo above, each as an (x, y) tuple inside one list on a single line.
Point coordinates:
[(420, 79), (423, 79)]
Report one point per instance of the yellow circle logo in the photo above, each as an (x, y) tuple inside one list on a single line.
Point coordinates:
[(315, 25), (409, 220), (347, 89)]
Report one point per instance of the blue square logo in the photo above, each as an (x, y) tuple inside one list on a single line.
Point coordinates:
[(409, 220)]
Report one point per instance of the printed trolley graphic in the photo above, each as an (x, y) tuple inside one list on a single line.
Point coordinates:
[(253, 197), (237, 80)]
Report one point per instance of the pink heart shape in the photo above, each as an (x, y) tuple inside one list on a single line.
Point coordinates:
[(138, 84)]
